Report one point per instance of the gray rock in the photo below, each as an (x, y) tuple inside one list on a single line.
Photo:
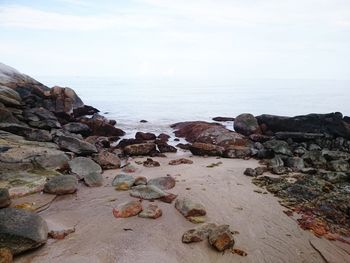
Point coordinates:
[(82, 166), (61, 185), (21, 230), (5, 199), (188, 208), (221, 238), (276, 162), (246, 124), (163, 183), (295, 163), (93, 179), (140, 149), (148, 192), (250, 172), (77, 127), (76, 146), (123, 182), (339, 166), (278, 146)]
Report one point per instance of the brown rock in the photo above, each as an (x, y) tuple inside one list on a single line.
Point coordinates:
[(221, 238), (163, 183), (198, 234), (203, 149), (127, 209), (163, 137), (140, 180), (188, 208), (5, 255), (107, 160), (180, 161), (145, 136), (168, 198), (151, 163), (140, 149), (151, 211), (60, 234)]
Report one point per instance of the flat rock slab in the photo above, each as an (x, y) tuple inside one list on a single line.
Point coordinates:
[(82, 166), (127, 209), (148, 192), (21, 230), (123, 182), (61, 184), (190, 209), (163, 183), (151, 211)]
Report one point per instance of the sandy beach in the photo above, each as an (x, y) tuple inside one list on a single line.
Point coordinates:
[(265, 232)]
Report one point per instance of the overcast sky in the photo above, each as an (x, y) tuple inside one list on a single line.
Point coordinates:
[(218, 39)]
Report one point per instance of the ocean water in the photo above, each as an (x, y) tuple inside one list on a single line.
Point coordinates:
[(163, 102)]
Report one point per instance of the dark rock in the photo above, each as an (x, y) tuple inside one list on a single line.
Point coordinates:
[(145, 136), (41, 118), (75, 145), (5, 199), (183, 146), (315, 159), (84, 110), (198, 234), (260, 170), (163, 137), (107, 160), (250, 172), (237, 152), (21, 230), (203, 149), (140, 149), (148, 192), (123, 182), (223, 119), (295, 163), (100, 142), (339, 166), (279, 170), (82, 167), (163, 147), (143, 121), (101, 127), (9, 97), (163, 183), (246, 124), (279, 147), (61, 185), (259, 137), (151, 163), (126, 142), (77, 127), (298, 136), (7, 117)]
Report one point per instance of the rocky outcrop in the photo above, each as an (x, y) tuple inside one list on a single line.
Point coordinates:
[(75, 145)]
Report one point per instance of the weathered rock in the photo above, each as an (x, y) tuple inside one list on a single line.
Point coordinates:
[(276, 162), (140, 149), (27, 132), (100, 142), (163, 183), (102, 127), (123, 182), (5, 199), (107, 160), (315, 159), (61, 185), (9, 97), (339, 166), (189, 209), (148, 192), (246, 124), (298, 136), (76, 146), (250, 172), (93, 179), (163, 147), (279, 170), (82, 166), (151, 163), (77, 127), (151, 211), (21, 230), (41, 118), (163, 137), (221, 238), (203, 149), (180, 161), (198, 234), (7, 117), (128, 209), (5, 255), (279, 147), (296, 163), (140, 180), (237, 152), (145, 136)]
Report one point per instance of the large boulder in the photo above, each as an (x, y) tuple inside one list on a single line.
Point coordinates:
[(61, 185), (246, 124), (140, 149), (75, 145), (21, 230), (203, 149)]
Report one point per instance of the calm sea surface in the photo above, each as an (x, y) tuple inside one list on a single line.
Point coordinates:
[(163, 102)]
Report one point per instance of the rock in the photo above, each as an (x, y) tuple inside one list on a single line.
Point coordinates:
[(221, 238), (259, 137), (148, 192), (107, 160), (102, 127), (93, 179), (335, 177), (5, 199), (183, 146), (163, 137), (163, 147), (128, 209), (190, 209), (250, 172), (315, 159), (41, 118), (298, 136), (237, 152), (151, 163), (82, 166), (145, 136), (143, 121), (126, 142), (314, 147), (9, 97), (203, 149), (140, 180), (246, 124), (60, 234), (77, 127), (198, 234), (163, 183), (61, 185), (335, 155), (140, 149), (279, 147), (168, 198), (339, 166), (180, 161), (76, 146), (7, 117), (21, 230), (83, 111), (296, 163), (151, 211), (260, 170), (5, 255), (100, 142), (29, 133), (123, 182), (223, 119)]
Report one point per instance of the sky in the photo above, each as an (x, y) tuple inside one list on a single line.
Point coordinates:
[(210, 39)]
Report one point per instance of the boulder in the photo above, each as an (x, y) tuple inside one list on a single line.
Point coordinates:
[(75, 145), (206, 149), (100, 142), (140, 149), (127, 209), (61, 185), (190, 209), (163, 183), (250, 172), (278, 146), (151, 163), (315, 159), (198, 234), (93, 179), (163, 137), (151, 211), (77, 127), (246, 124), (64, 100), (180, 161), (102, 127), (107, 160), (5, 199), (221, 238), (123, 182), (148, 192), (240, 152), (295, 163), (145, 136), (82, 166), (21, 230)]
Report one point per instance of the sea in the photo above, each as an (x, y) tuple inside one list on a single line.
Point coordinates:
[(163, 102)]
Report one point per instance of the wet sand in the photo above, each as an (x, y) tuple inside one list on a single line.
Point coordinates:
[(265, 232)]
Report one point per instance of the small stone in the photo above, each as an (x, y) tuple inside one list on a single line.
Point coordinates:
[(123, 182), (188, 208), (163, 183), (147, 192), (61, 185), (82, 166), (127, 209), (180, 161), (5, 199), (60, 234), (93, 179), (140, 180), (221, 238), (129, 169), (198, 234), (5, 255), (169, 198), (151, 163), (151, 211), (250, 172)]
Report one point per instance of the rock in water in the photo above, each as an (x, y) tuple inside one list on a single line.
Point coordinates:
[(194, 212), (61, 185), (82, 166), (221, 238), (123, 182), (163, 183), (148, 192), (5, 200), (127, 209), (21, 230), (246, 124), (151, 211), (198, 234), (145, 136)]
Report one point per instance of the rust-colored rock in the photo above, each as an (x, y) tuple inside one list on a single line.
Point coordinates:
[(127, 209)]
